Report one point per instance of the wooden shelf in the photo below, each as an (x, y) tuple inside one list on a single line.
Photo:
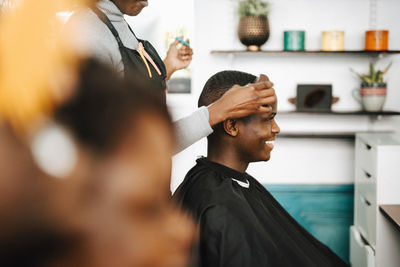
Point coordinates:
[(344, 113), (307, 52), (392, 212), (327, 135), (317, 135)]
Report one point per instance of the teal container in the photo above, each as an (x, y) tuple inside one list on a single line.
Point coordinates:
[(293, 40)]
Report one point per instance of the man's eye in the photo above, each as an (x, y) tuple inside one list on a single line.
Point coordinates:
[(270, 118)]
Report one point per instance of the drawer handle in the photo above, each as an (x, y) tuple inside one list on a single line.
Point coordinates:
[(368, 147), (367, 175), (366, 201)]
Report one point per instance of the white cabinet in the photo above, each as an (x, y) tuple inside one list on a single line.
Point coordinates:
[(374, 241)]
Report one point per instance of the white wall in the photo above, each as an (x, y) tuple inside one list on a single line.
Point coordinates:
[(304, 161), (293, 160)]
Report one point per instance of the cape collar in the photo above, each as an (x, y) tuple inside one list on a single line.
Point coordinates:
[(241, 178)]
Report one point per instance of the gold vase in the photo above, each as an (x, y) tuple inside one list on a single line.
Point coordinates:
[(253, 32)]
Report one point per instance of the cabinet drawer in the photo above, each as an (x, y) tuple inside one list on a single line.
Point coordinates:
[(366, 156), (365, 217), (361, 255)]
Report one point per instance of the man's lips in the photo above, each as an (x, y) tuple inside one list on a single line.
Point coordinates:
[(143, 2), (270, 144)]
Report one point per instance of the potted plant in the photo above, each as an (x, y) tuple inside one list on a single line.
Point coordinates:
[(372, 94), (253, 25)]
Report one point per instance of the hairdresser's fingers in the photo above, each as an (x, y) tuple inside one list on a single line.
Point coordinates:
[(249, 110), (266, 93), (263, 78), (264, 109), (256, 95), (271, 100), (175, 43), (184, 52), (262, 85), (185, 57)]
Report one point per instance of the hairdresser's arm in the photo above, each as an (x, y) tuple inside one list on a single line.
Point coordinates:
[(236, 103)]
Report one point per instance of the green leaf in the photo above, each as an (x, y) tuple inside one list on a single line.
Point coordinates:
[(367, 79), (248, 8), (371, 70), (378, 76), (356, 73), (374, 75), (387, 68)]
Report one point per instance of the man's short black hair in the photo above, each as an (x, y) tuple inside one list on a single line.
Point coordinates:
[(105, 105), (221, 82)]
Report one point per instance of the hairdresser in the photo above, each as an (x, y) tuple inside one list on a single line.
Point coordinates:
[(102, 32)]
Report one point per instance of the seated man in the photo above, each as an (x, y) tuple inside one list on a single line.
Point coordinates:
[(241, 224)]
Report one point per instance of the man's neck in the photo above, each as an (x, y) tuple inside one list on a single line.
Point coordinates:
[(228, 157)]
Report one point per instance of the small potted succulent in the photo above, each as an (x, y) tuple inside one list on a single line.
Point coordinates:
[(253, 25), (372, 94)]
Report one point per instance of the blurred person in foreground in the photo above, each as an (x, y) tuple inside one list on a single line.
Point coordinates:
[(39, 225), (114, 210), (126, 140), (241, 224), (37, 218), (109, 210)]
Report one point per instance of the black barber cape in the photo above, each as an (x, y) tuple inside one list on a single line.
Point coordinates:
[(241, 224)]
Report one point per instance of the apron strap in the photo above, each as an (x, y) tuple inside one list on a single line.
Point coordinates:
[(103, 17), (133, 32)]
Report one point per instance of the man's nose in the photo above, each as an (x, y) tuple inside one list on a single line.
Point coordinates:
[(275, 127)]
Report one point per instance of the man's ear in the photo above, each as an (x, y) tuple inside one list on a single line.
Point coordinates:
[(231, 127)]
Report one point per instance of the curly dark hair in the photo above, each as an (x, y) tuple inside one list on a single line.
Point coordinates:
[(221, 82)]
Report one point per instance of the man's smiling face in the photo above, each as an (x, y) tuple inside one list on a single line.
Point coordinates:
[(256, 136)]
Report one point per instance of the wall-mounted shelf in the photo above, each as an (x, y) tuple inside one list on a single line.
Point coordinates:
[(335, 134), (327, 135), (313, 52), (344, 113)]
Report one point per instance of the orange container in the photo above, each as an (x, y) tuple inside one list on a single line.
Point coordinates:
[(376, 40)]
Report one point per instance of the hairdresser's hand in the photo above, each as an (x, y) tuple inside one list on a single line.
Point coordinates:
[(264, 78), (177, 58), (242, 101)]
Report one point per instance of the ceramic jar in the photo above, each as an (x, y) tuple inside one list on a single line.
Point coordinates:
[(253, 31), (371, 96), (376, 40), (332, 41)]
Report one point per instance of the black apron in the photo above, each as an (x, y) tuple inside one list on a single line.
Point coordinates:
[(131, 59)]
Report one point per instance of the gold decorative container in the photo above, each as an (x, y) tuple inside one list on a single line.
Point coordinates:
[(253, 31), (332, 41)]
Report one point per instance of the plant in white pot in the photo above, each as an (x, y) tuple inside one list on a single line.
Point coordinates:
[(253, 28), (372, 94)]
